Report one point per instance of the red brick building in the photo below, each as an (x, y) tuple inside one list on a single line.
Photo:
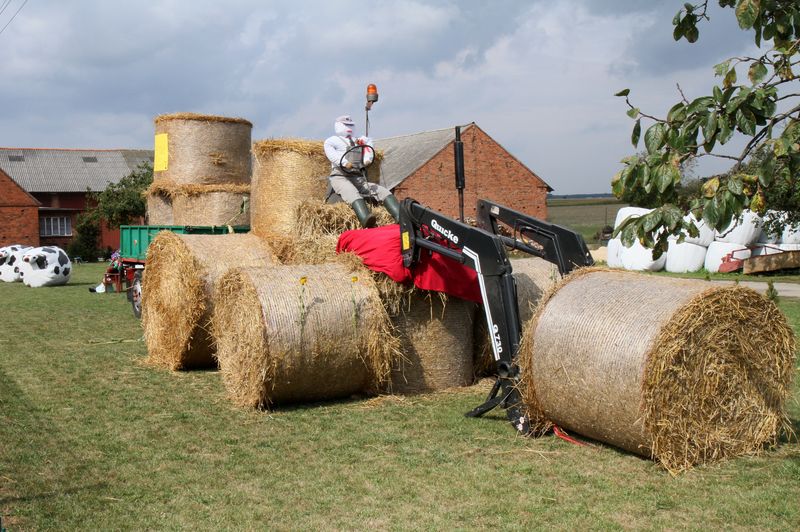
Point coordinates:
[(59, 180), (422, 166), (19, 214)]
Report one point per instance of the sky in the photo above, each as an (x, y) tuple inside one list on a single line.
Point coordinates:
[(539, 76)]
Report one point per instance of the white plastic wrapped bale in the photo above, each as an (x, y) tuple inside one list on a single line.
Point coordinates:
[(685, 257), (614, 248), (764, 237), (705, 237), (626, 212), (789, 247), (718, 250), (10, 260), (639, 258), (744, 231), (47, 266), (790, 235), (762, 248)]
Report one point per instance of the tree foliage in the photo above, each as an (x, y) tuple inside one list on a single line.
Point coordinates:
[(757, 98), (122, 202), (85, 243)]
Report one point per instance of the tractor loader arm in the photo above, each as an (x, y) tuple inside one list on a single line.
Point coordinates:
[(484, 250)]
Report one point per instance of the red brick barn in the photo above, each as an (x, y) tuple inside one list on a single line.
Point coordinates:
[(422, 166), (19, 214), (60, 180)]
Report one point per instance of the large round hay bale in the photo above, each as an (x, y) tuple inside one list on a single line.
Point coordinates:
[(159, 209), (286, 172), (177, 288), (675, 369), (299, 333), (534, 277), (202, 149), (436, 344), (213, 207)]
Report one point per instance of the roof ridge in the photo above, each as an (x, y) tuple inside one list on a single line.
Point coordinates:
[(424, 132)]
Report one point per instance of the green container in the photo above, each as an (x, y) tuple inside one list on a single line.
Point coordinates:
[(134, 239)]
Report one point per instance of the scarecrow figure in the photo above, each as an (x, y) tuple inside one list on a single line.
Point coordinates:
[(349, 159)]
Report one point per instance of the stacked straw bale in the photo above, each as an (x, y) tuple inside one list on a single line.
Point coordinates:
[(300, 333), (159, 209), (218, 204), (435, 335), (534, 278), (207, 173), (678, 370), (177, 288), (286, 172), (205, 149)]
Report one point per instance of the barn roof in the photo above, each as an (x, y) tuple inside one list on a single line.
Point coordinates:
[(68, 170), (403, 155)]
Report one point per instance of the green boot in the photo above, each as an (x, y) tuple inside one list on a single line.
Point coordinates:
[(365, 216), (393, 206)]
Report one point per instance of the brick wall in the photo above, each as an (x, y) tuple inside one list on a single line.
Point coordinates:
[(490, 173), (19, 214), (19, 225)]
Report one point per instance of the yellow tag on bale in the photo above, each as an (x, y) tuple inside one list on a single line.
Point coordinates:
[(406, 241), (161, 159)]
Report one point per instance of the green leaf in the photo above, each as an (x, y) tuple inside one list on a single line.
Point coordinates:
[(747, 12), (637, 131), (677, 33), (717, 94), (711, 212), (633, 112), (722, 68), (663, 178), (730, 78), (628, 234), (623, 92), (710, 127), (746, 121), (692, 34), (677, 113), (671, 216), (617, 186), (736, 185), (651, 220), (756, 72), (654, 137), (701, 104), (725, 131)]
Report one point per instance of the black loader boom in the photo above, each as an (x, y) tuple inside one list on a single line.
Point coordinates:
[(483, 249)]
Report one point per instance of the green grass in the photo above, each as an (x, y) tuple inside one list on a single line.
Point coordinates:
[(90, 438), (586, 216)]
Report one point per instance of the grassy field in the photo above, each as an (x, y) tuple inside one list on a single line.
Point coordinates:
[(91, 438), (586, 216)]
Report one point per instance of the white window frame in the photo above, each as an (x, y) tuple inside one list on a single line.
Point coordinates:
[(55, 226)]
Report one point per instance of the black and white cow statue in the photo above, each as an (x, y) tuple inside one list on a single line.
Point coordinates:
[(10, 261), (46, 266)]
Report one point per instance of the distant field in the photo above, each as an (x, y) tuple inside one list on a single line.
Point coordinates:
[(586, 215)]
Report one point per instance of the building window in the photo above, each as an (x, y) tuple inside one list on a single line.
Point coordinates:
[(90, 159), (55, 226)]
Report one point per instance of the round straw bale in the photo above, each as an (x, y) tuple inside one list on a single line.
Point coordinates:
[(212, 208), (159, 209), (204, 149), (299, 333), (286, 172), (435, 335), (668, 368), (176, 292), (534, 277)]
